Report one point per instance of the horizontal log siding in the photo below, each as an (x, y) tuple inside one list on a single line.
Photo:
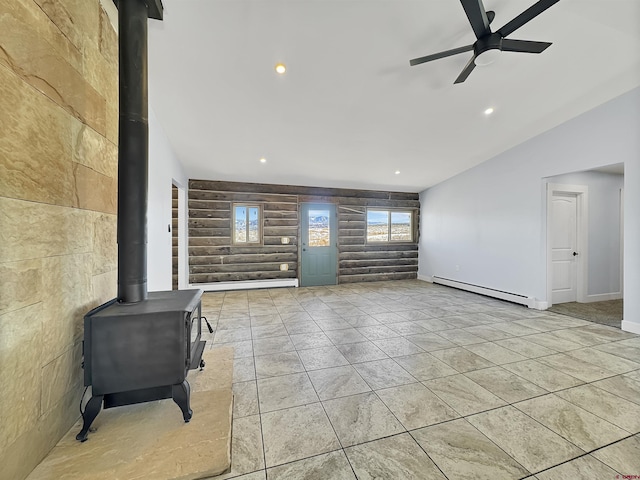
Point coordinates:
[(213, 258)]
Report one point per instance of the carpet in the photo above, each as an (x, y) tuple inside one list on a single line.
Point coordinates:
[(150, 441), (605, 313)]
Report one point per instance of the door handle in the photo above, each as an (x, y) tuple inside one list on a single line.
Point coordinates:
[(575, 254)]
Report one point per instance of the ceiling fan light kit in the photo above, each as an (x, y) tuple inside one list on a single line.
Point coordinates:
[(489, 44)]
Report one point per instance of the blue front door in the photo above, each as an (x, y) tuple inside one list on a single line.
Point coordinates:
[(319, 244)]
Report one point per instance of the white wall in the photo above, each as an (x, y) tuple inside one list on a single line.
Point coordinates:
[(490, 221), (603, 269), (164, 169)]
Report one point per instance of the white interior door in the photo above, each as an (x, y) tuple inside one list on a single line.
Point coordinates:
[(564, 237)]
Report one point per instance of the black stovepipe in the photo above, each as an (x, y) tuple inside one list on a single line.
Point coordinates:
[(133, 151)]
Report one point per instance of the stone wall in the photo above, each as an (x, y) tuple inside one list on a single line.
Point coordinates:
[(58, 184)]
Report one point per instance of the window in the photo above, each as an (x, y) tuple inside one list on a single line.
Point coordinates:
[(389, 226), (319, 228), (247, 224)]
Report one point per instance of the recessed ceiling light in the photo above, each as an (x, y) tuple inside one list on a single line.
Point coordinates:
[(263, 160), (397, 172), (488, 111), (281, 68)]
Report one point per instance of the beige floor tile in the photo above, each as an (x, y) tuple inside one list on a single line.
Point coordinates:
[(619, 349), (304, 341), (398, 458), (323, 357), (416, 406), (462, 359), (285, 392), (532, 445), (377, 332), (295, 328), (425, 367), (608, 406), (383, 374), (246, 447), (495, 353), (361, 352), (465, 396), (542, 375), (462, 452), (525, 347), (267, 331), (434, 325), (296, 433), (343, 336), (606, 360), (430, 341), (585, 371), (461, 337), (337, 382), (235, 335), (506, 385), (514, 329), (244, 369), (328, 466), (396, 347), (278, 364), (621, 456), (245, 399), (571, 422), (488, 332), (583, 467), (622, 386), (361, 418), (407, 328), (553, 342), (266, 346)]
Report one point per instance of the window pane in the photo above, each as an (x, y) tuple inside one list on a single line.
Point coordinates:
[(319, 228), (377, 225), (240, 225), (254, 227), (401, 226)]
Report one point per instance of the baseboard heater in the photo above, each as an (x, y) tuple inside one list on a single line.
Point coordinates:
[(245, 285), (489, 292)]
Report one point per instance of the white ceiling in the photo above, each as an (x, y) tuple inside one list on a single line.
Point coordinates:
[(350, 111)]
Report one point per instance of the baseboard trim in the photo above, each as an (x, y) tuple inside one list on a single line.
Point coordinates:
[(632, 327), (425, 278), (245, 285), (602, 297), (490, 292), (540, 305)]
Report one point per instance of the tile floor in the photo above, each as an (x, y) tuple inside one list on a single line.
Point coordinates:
[(409, 380)]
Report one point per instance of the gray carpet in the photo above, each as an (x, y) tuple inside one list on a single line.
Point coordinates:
[(606, 313)]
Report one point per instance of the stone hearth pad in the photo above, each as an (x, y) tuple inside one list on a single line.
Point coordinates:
[(150, 440)]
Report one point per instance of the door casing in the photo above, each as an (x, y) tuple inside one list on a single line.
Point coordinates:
[(581, 194)]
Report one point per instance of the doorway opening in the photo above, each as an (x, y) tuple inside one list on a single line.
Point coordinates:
[(179, 237), (584, 250)]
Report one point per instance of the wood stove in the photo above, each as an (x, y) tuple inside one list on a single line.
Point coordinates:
[(139, 346), (141, 352)]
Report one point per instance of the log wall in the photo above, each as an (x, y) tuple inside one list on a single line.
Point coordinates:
[(213, 257)]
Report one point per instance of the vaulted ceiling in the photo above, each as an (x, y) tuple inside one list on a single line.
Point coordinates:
[(350, 111)]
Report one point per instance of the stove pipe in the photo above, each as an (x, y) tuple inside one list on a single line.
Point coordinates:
[(133, 151)]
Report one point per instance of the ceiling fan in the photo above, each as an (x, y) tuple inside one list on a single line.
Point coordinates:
[(489, 41)]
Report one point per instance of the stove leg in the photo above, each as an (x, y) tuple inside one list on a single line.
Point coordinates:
[(91, 411), (181, 395)]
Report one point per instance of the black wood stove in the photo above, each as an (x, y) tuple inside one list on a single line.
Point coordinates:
[(140, 346)]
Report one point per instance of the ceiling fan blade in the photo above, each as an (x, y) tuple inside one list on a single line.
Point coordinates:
[(526, 16), (466, 71), (436, 56), (524, 46), (477, 16)]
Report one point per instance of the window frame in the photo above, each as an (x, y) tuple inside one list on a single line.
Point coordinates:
[(412, 215), (247, 206)]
